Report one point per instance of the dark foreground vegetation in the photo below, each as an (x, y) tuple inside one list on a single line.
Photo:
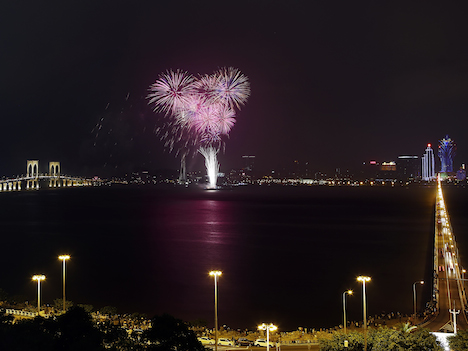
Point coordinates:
[(75, 330)]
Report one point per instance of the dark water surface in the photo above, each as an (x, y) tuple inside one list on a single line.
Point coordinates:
[(287, 254)]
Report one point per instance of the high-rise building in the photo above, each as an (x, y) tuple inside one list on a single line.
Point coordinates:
[(427, 164), (408, 167), (248, 162), (447, 148)]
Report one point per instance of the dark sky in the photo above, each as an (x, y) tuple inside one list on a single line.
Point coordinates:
[(333, 83)]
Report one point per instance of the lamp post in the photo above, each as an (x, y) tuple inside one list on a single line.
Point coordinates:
[(38, 277), (414, 296), (216, 274), (270, 327), (363, 280), (64, 258), (463, 280), (349, 292)]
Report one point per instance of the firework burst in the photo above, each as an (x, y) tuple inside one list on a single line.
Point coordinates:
[(200, 111), (172, 91)]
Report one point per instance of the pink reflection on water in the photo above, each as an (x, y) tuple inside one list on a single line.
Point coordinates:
[(202, 231), (188, 238)]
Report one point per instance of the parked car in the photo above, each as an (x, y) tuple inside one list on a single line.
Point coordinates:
[(244, 342), (263, 343), (206, 340), (225, 342)]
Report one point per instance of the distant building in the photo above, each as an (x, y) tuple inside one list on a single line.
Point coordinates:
[(447, 148), (248, 163), (428, 165), (248, 166), (461, 173), (388, 166), (408, 167), (387, 171), (370, 170)]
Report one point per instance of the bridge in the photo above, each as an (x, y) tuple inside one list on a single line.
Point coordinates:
[(449, 292), (52, 179)]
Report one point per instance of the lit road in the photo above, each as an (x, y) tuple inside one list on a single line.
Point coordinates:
[(448, 278), (288, 347)]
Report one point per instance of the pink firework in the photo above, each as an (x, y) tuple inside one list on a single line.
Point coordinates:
[(226, 119), (200, 110), (230, 87), (172, 91)]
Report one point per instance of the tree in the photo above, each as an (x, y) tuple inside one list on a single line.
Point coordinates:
[(383, 339), (459, 341), (87, 308), (422, 339), (336, 342), (58, 304), (34, 334), (110, 310), (169, 333), (77, 331), (116, 338)]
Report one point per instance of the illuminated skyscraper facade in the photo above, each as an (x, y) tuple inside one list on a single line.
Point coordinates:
[(428, 165), (447, 150)]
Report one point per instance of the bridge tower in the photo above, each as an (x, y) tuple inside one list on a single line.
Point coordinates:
[(32, 172), (54, 173)]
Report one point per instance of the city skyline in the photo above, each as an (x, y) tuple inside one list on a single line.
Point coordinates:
[(331, 85)]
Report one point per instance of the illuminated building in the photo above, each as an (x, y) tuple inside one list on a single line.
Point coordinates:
[(461, 173), (447, 150), (408, 167), (428, 166), (388, 166)]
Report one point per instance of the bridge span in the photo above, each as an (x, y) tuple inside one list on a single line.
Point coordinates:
[(449, 292), (51, 179)]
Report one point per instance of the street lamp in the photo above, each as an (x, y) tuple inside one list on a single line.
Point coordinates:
[(38, 277), (64, 258), (463, 280), (349, 292), (363, 280), (270, 327), (216, 274), (414, 295)]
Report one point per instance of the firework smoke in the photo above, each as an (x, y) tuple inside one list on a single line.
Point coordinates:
[(200, 111)]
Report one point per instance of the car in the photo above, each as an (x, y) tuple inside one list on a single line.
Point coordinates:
[(225, 342), (263, 343), (206, 340), (244, 342)]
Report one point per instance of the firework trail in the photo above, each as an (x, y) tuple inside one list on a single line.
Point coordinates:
[(199, 112)]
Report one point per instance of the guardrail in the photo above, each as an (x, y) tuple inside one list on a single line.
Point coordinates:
[(25, 313)]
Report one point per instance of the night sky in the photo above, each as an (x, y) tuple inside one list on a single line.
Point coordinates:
[(333, 83)]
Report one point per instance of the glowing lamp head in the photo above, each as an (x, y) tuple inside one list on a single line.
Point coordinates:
[(269, 327), (64, 257), (215, 273), (38, 277), (349, 292), (428, 145), (421, 282), (363, 279)]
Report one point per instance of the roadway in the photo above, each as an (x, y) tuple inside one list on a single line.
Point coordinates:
[(448, 283), (286, 347)]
